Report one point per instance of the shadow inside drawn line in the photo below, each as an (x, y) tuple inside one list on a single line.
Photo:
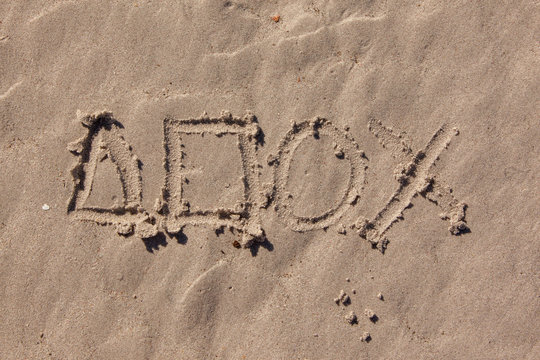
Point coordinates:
[(259, 138), (254, 249), (220, 231), (180, 237), (155, 242), (160, 240), (464, 231)]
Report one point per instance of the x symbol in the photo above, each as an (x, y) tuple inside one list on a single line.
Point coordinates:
[(415, 176)]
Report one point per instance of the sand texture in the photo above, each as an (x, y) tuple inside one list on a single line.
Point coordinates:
[(269, 179)]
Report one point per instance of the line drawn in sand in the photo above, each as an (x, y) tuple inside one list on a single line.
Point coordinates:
[(346, 148), (245, 216), (104, 140), (415, 175)]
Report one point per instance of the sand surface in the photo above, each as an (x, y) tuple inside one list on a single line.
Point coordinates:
[(269, 179)]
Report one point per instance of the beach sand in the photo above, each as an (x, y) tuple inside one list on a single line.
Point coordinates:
[(269, 180)]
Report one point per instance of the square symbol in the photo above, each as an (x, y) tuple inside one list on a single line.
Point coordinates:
[(244, 217)]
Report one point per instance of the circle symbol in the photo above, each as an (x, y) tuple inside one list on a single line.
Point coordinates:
[(347, 149)]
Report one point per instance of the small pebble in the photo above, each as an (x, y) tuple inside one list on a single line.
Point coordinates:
[(366, 336), (347, 280), (342, 298), (380, 296), (354, 291), (351, 318), (45, 207), (370, 314)]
